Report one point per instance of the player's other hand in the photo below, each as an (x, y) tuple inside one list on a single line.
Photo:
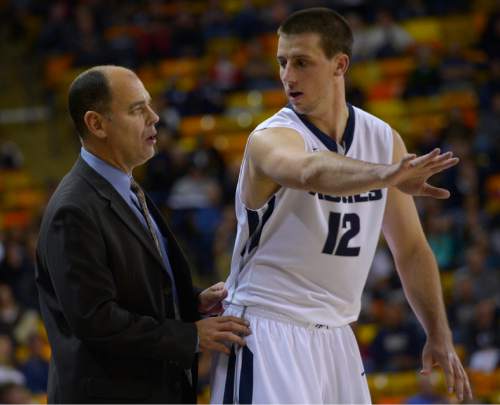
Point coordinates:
[(210, 299), (440, 351), (214, 332), (410, 175)]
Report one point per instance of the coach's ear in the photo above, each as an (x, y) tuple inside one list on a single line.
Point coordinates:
[(342, 64), (94, 121)]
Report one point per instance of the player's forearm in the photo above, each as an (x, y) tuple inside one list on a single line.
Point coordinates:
[(420, 278), (331, 173)]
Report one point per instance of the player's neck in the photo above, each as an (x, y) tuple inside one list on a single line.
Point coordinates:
[(333, 120)]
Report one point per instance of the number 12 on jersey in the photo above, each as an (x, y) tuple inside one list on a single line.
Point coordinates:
[(349, 221)]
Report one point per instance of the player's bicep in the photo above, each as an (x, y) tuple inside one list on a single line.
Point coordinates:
[(278, 154)]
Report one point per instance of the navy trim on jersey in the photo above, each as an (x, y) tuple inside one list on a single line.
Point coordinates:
[(229, 386), (253, 223), (347, 137), (246, 377), (265, 217)]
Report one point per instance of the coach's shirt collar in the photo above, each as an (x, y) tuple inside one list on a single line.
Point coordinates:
[(118, 179)]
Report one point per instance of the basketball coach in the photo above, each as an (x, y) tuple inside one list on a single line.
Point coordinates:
[(116, 296)]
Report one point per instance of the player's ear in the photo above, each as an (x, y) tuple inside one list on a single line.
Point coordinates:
[(342, 63)]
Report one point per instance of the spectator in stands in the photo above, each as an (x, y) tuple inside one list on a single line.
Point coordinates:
[(15, 320), (205, 98), (215, 22), (225, 235), (36, 367), (461, 307), (442, 236), (258, 71), (2, 246), (8, 372), (17, 268), (490, 37), (57, 34), (154, 40), (89, 47), (195, 202), (382, 266), (485, 281), (187, 38), (11, 157), (246, 23), (224, 72), (174, 99), (491, 84), (386, 38), (398, 342), (488, 129), (411, 9), (462, 181), (13, 393), (273, 15), (424, 80), (483, 337), (455, 70), (360, 32), (161, 170)]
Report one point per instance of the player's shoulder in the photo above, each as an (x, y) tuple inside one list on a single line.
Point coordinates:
[(285, 118), (367, 118)]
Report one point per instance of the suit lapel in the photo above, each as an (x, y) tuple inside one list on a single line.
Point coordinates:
[(119, 206)]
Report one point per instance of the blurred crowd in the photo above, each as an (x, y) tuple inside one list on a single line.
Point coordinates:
[(194, 186)]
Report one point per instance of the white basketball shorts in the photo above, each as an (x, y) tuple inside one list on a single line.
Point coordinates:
[(288, 362)]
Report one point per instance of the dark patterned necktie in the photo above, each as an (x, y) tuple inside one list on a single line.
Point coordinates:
[(137, 190)]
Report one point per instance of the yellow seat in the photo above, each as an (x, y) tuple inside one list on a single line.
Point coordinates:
[(179, 67), (461, 29), (459, 99), (387, 109), (196, 124), (365, 75), (55, 67), (424, 30), (447, 281), (396, 67), (273, 98), (366, 332)]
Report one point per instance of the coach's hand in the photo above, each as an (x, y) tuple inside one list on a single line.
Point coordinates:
[(440, 351), (410, 175), (210, 299), (214, 332)]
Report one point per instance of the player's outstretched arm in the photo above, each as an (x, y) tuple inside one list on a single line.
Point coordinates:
[(419, 275), (279, 154)]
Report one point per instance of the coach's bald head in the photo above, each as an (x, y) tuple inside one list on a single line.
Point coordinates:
[(92, 90)]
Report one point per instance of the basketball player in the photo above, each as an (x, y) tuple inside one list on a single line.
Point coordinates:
[(318, 182)]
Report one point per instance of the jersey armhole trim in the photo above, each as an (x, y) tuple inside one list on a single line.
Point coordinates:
[(244, 162)]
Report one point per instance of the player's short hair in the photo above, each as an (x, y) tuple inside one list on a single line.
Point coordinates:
[(333, 29), (90, 91)]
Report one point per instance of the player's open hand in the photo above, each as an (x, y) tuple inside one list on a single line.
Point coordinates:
[(410, 175), (437, 352), (210, 299), (214, 332)]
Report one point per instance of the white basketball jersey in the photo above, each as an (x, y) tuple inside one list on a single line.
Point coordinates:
[(307, 255)]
